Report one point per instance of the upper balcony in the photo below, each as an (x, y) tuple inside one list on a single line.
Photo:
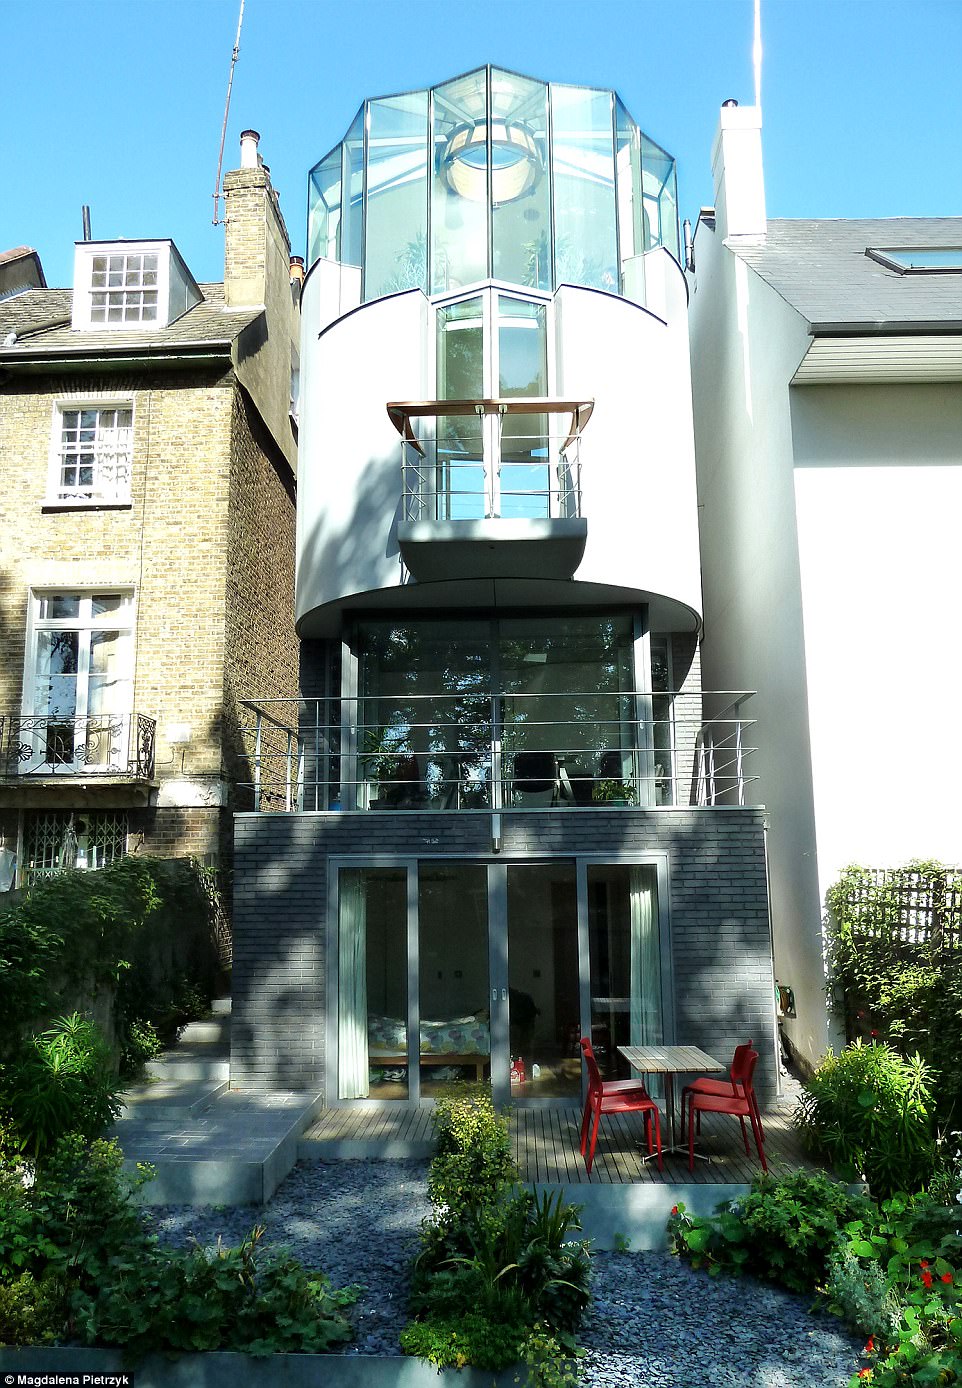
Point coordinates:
[(54, 747), (491, 488)]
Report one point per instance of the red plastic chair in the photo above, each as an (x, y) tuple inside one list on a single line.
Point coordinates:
[(736, 1071), (736, 1097), (614, 1096)]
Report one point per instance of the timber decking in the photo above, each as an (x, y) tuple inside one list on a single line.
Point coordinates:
[(546, 1144)]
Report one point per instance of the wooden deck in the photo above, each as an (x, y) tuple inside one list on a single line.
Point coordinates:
[(546, 1143)]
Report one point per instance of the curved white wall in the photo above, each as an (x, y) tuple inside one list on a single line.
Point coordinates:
[(638, 471)]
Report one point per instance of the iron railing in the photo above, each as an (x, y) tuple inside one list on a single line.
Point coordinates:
[(501, 459), (468, 750), (93, 744)]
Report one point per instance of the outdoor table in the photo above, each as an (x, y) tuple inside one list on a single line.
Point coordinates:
[(670, 1061)]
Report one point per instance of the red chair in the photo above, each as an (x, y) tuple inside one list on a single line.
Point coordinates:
[(724, 1087), (736, 1096), (614, 1096)]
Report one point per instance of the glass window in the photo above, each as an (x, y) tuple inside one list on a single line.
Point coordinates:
[(584, 188), (625, 954), (325, 208), (396, 233), (459, 184), (628, 169), (660, 196), (94, 455), (372, 1005), (918, 258), (663, 715), (520, 187), (57, 840), (544, 1005), (524, 475), (460, 477), (352, 183), (123, 288)]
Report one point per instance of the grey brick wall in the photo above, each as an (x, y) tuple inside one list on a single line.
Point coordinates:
[(718, 903)]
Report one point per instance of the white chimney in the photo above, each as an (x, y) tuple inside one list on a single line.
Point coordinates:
[(249, 142), (737, 170)]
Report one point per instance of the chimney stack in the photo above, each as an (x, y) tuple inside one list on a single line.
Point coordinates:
[(737, 170), (256, 244)]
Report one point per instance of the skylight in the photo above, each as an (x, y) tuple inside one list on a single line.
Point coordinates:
[(918, 259)]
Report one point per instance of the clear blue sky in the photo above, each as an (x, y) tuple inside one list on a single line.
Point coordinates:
[(119, 103)]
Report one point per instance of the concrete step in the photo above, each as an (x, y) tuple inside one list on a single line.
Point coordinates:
[(171, 1100), (212, 1031), (190, 1065)]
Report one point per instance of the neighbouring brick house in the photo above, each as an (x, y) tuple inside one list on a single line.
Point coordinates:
[(148, 446)]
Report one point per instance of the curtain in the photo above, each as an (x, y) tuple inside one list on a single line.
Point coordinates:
[(352, 1052), (645, 959)]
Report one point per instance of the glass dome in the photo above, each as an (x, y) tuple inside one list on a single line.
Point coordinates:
[(492, 176)]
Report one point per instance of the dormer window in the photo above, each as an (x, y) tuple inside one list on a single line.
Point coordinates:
[(130, 286), (123, 288)]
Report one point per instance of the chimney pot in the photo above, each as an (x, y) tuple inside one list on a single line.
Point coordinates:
[(297, 269), (249, 141)]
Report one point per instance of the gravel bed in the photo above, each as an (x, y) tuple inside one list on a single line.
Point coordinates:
[(653, 1323)]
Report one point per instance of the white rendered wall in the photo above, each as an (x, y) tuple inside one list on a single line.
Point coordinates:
[(637, 453), (746, 345), (878, 486), (349, 453)]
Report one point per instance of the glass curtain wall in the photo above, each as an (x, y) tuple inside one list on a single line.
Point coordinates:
[(460, 477), (372, 1003), (530, 183), (524, 478), (453, 978), (543, 995)]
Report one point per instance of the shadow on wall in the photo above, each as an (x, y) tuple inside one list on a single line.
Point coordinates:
[(13, 627), (358, 552)]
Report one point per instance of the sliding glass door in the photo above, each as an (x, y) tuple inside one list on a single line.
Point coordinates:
[(489, 971)]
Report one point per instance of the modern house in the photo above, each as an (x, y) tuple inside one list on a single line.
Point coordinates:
[(147, 562), (827, 376), (501, 811)]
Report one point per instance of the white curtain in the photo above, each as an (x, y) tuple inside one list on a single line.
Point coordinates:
[(352, 1053), (645, 959)]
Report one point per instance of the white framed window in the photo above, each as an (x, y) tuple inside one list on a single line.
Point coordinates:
[(78, 682), (92, 451), (123, 287)]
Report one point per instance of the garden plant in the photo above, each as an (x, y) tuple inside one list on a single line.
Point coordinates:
[(497, 1280)]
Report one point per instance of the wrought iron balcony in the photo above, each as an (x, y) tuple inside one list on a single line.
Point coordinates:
[(56, 746), (491, 486), (474, 752)]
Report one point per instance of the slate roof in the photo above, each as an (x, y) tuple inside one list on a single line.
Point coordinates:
[(41, 319), (820, 268)]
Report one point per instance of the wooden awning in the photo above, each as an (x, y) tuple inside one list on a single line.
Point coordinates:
[(401, 412)]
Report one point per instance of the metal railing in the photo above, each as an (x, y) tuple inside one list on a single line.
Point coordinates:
[(514, 459), (92, 744), (467, 750)]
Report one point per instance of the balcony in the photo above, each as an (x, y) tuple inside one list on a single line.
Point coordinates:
[(467, 751), (491, 488), (55, 747)]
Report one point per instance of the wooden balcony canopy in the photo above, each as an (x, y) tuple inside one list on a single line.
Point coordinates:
[(401, 412)]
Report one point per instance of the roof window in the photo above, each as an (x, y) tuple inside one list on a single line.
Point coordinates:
[(130, 285), (918, 260)]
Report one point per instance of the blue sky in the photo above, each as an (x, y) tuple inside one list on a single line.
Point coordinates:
[(119, 103)]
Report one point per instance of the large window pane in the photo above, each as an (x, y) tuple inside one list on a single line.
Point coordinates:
[(660, 197), (460, 483), (453, 960), (372, 1006), (459, 198), (543, 996), (352, 182), (324, 213), (584, 188), (628, 168), (520, 187), (526, 455), (625, 953), (396, 235)]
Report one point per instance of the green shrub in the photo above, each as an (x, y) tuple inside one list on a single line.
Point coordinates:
[(140, 1044), (31, 1312), (783, 1230), (495, 1260), (868, 1111), (60, 1082)]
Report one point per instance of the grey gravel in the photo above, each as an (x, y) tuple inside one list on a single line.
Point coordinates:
[(653, 1323)]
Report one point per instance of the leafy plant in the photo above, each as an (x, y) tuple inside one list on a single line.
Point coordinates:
[(31, 1312), (869, 1112), (61, 1082), (783, 1230)]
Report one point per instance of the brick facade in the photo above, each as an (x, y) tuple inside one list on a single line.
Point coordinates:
[(717, 901)]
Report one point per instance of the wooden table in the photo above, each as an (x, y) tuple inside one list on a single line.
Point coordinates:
[(670, 1061)]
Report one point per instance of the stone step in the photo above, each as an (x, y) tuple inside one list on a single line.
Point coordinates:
[(190, 1066), (163, 1101), (212, 1031), (220, 1007)]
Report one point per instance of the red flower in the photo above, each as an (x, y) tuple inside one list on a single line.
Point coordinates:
[(870, 1347), (865, 1373), (873, 1033), (946, 1277), (926, 1279), (924, 1263), (674, 1209)]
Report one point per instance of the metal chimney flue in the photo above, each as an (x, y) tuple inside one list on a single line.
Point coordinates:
[(85, 218), (249, 141)]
